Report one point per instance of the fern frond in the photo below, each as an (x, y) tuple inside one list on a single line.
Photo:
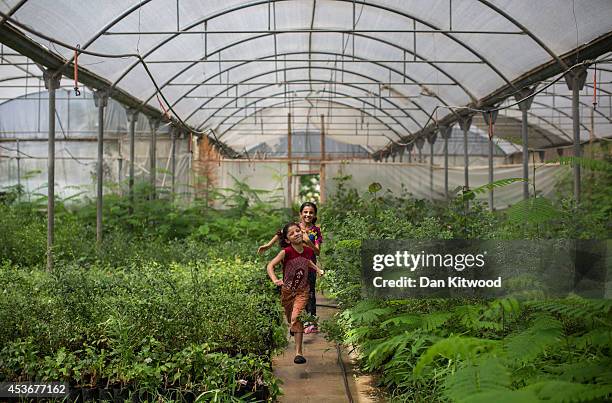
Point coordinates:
[(567, 392), (544, 332), (507, 396), (434, 320), (387, 348), (358, 334), (599, 337), (492, 185), (568, 309), (582, 371), (489, 375), (470, 317), (509, 305), (454, 347), (371, 316), (407, 320), (535, 210)]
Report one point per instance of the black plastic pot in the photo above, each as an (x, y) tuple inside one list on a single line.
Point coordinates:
[(89, 394), (106, 394), (74, 395), (120, 394)]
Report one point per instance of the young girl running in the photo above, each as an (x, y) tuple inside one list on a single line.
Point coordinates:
[(313, 238), (297, 263)]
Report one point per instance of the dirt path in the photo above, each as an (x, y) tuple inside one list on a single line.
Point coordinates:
[(321, 379)]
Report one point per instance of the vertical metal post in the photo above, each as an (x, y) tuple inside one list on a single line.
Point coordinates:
[(490, 118), (18, 172), (524, 106), (445, 132), (431, 139), (153, 124), (289, 165), (100, 100), (410, 148), (575, 80), (52, 81), (132, 117), (401, 154), (173, 160), (322, 168), (464, 123)]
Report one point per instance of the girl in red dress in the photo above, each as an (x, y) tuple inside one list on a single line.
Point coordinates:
[(297, 260), (312, 237)]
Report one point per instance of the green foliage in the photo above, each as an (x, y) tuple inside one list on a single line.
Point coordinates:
[(587, 163), (473, 378), (471, 193), (535, 210), (165, 301)]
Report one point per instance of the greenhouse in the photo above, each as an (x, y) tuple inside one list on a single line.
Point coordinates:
[(433, 180)]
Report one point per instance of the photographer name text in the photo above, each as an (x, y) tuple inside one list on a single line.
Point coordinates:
[(426, 282)]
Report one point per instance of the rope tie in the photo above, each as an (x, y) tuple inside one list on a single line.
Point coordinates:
[(76, 71)]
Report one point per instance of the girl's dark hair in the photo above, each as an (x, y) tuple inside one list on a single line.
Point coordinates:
[(283, 239), (314, 207)]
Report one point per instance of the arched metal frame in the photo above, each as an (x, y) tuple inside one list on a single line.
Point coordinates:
[(354, 2), (401, 74), (302, 99), (300, 68), (283, 93)]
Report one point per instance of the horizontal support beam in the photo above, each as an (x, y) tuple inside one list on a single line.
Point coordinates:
[(302, 82), (314, 30), (347, 59)]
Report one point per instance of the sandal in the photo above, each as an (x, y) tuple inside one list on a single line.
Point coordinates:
[(299, 359)]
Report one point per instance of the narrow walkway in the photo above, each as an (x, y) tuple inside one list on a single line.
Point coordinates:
[(321, 379)]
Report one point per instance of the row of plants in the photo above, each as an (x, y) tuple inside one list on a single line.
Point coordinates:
[(141, 327), (170, 306), (471, 350)]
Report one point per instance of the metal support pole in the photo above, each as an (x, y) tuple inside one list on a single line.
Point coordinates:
[(100, 100), (524, 107), (490, 118), (431, 139), (173, 160), (18, 172), (575, 80), (401, 154), (153, 124), (289, 165), (52, 82), (410, 148), (464, 123), (322, 168), (132, 117), (445, 132), (420, 141)]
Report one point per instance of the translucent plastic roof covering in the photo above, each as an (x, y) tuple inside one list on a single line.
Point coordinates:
[(384, 65), (20, 76)]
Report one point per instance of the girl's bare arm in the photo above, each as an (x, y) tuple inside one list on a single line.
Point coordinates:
[(279, 258)]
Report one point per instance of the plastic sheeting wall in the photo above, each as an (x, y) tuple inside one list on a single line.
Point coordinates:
[(416, 179), (270, 176), (75, 165)]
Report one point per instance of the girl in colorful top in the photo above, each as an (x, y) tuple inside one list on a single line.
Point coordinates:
[(312, 238), (297, 264)]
